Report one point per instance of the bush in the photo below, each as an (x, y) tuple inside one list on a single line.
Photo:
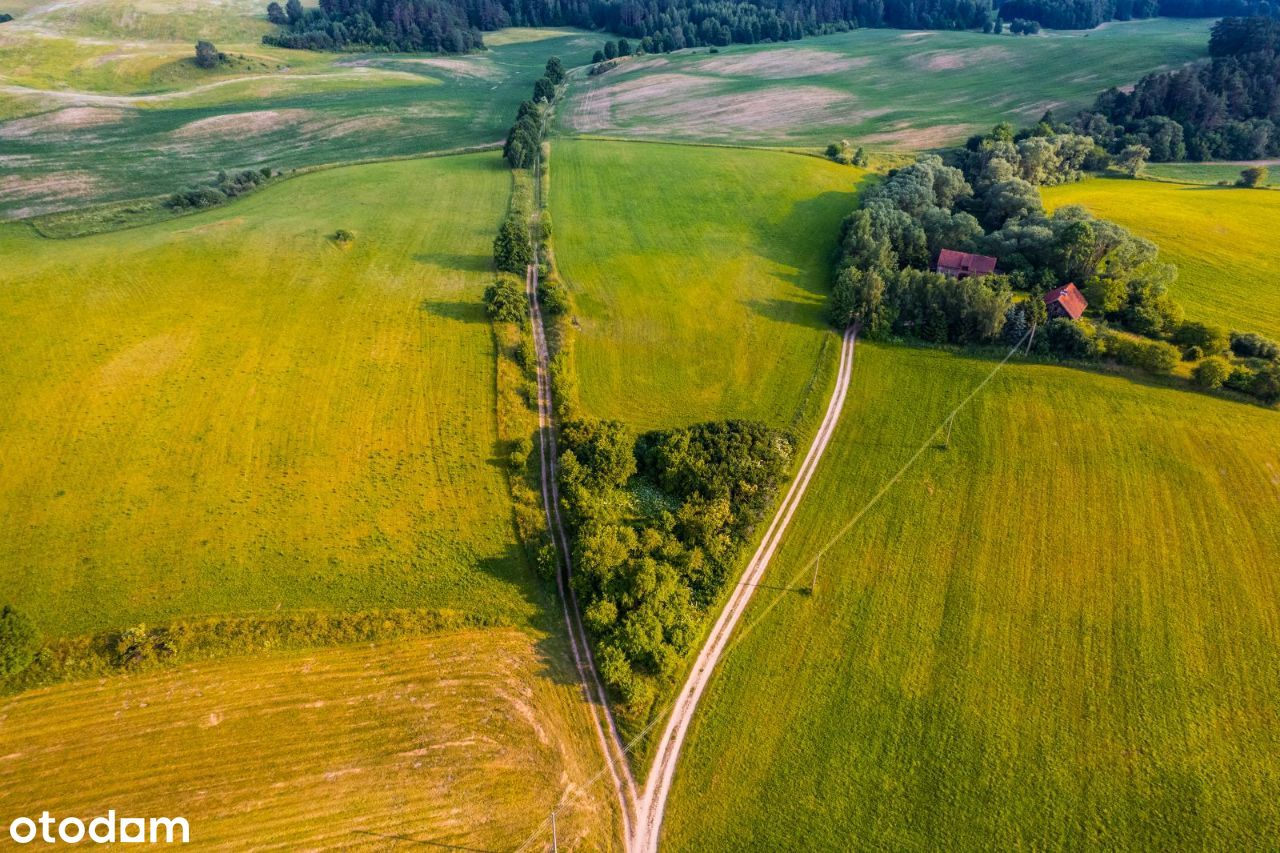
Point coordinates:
[(208, 56), (1250, 345), (553, 297), (1254, 176), (1192, 353), (1211, 373), (1155, 357), (1068, 339), (19, 641), (506, 301), (1209, 337), (512, 248), (342, 235)]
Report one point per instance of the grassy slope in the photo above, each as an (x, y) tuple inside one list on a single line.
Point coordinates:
[(227, 412), (460, 739), (1205, 173), (700, 278), (885, 87), (1223, 241), (1058, 634), (103, 119)]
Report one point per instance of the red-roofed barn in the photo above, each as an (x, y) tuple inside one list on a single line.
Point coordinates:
[(1066, 301), (962, 264)]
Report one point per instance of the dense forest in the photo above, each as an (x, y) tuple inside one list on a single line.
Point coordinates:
[(1086, 14), (455, 26), (1226, 109)]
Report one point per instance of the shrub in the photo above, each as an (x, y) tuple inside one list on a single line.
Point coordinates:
[(19, 641), (342, 235), (1211, 373), (1266, 384), (1192, 353), (512, 248), (1251, 345), (553, 297), (1254, 176), (1155, 357), (1068, 339), (1210, 337), (208, 56), (506, 301)]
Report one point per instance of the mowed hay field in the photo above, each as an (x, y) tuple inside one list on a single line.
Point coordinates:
[(229, 412), (700, 278), (1058, 634), (369, 747), (1222, 239), (879, 87)]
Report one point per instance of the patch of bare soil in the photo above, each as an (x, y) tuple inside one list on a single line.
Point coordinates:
[(47, 193), (782, 64), (954, 60), (600, 107), (253, 123), (922, 137), (748, 114), (60, 121)]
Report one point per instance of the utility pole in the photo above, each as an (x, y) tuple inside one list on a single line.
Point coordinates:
[(950, 421), (813, 585), (555, 842), (1031, 339)]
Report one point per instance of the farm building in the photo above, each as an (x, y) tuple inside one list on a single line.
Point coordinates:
[(1066, 301), (962, 264)]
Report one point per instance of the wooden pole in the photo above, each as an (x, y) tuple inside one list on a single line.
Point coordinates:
[(555, 842), (813, 585)]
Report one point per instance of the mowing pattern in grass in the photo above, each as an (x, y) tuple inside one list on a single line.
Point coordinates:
[(1223, 241), (232, 412), (1058, 634), (880, 87), (700, 277), (462, 739), (102, 120)]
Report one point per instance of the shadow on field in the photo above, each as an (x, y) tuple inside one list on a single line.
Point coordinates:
[(456, 261), (829, 207), (466, 312), (806, 313)]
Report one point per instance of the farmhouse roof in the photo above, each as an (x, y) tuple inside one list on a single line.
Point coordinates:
[(1069, 299), (952, 262)]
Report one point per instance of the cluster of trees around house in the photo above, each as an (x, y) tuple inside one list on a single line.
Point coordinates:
[(1228, 108), (455, 26), (657, 523), (988, 204), (524, 139), (222, 188)]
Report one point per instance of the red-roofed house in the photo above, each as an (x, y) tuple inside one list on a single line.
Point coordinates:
[(962, 264), (1066, 301)]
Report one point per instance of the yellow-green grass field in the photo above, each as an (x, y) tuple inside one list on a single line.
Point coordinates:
[(1208, 173), (1059, 633), (700, 278), (880, 87), (231, 413), (463, 739), (1222, 239)]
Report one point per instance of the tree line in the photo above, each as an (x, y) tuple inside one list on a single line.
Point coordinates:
[(983, 199), (1227, 108), (657, 522), (457, 26), (1087, 14)]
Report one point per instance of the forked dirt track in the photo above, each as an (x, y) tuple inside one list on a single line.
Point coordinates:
[(653, 802)]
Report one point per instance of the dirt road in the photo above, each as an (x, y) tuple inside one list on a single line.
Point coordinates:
[(606, 729), (652, 804)]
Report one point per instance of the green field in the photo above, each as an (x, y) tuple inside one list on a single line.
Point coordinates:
[(463, 739), (1222, 239), (700, 278), (1058, 634), (125, 113), (877, 86), (1205, 173), (228, 412)]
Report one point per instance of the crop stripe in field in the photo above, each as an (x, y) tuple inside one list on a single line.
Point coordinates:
[(610, 741), (652, 805), (807, 567)]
